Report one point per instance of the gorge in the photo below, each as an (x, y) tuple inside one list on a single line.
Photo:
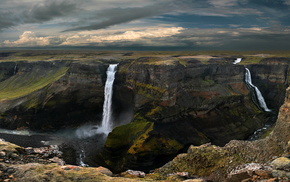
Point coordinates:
[(161, 104)]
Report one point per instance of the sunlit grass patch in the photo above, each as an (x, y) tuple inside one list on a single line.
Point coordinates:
[(24, 83)]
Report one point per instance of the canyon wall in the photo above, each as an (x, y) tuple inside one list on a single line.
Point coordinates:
[(179, 102), (170, 102)]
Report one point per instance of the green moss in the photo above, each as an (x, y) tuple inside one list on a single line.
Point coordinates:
[(139, 118), (146, 86), (155, 176), (32, 103), (137, 145), (251, 60), (267, 132), (123, 68), (125, 135), (207, 83), (52, 102), (202, 161), (163, 60), (154, 145), (22, 84), (154, 111), (182, 62), (147, 90)]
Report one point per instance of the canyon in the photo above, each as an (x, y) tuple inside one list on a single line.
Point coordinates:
[(162, 105)]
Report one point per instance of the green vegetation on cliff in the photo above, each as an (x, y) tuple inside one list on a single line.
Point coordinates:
[(129, 134), (22, 84)]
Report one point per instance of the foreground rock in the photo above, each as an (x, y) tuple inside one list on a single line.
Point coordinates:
[(41, 164), (45, 164), (215, 162)]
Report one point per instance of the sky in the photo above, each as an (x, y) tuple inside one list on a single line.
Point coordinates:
[(146, 24)]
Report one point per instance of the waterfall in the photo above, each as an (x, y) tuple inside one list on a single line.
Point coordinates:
[(258, 94), (82, 156), (15, 69), (260, 98), (106, 126), (237, 60)]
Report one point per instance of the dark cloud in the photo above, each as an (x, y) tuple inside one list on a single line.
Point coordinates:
[(48, 11), (37, 14), (118, 16), (7, 20), (111, 17), (214, 24)]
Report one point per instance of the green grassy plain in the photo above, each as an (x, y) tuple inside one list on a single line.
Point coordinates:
[(250, 57)]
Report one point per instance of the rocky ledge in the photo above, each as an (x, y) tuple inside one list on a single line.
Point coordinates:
[(212, 163), (46, 164), (241, 160)]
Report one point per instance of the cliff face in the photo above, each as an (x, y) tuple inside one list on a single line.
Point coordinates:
[(50, 95), (208, 97), (188, 103), (271, 81)]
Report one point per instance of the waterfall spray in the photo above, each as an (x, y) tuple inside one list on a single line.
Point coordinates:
[(106, 126)]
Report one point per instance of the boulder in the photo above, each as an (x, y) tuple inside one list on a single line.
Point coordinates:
[(281, 163), (133, 173), (104, 170)]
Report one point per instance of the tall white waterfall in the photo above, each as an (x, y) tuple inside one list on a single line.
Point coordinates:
[(248, 80), (106, 126), (260, 98)]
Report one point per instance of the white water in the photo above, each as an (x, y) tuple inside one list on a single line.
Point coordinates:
[(261, 99), (82, 156), (86, 131), (248, 80), (106, 126), (17, 132), (238, 60), (15, 69)]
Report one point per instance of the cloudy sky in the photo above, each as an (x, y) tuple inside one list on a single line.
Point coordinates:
[(146, 24)]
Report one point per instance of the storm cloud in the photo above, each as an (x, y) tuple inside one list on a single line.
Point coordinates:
[(187, 24), (48, 11), (124, 15), (38, 13)]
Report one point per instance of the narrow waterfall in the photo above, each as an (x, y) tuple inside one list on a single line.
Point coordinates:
[(248, 80), (237, 60), (260, 98), (106, 126), (15, 69)]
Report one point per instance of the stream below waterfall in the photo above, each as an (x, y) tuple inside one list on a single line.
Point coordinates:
[(80, 144)]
